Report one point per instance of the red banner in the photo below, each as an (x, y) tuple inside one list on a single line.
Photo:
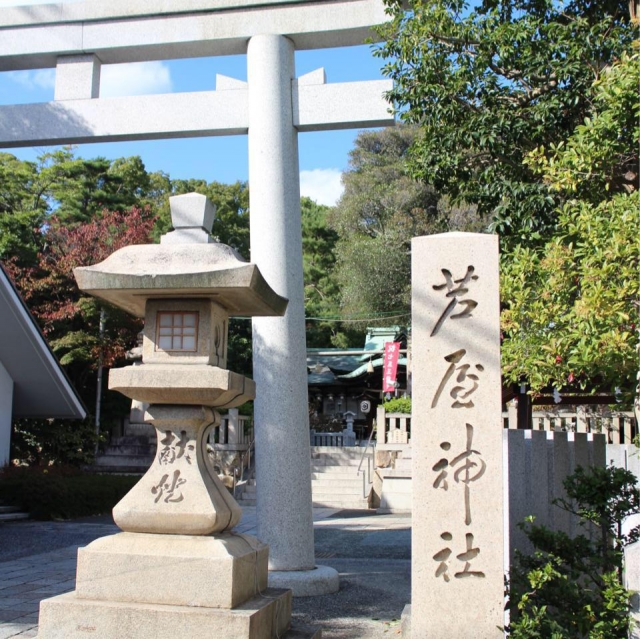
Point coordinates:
[(391, 353)]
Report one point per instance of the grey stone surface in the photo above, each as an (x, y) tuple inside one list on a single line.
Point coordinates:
[(134, 273), (375, 579), (405, 622), (458, 498), (322, 580), (204, 385), (211, 572), (207, 113), (165, 35), (147, 117), (279, 351), (180, 494), (77, 77), (192, 210), (322, 107), (68, 617), (211, 334), (222, 112)]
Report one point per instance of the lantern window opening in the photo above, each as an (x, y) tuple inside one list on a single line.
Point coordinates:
[(177, 331)]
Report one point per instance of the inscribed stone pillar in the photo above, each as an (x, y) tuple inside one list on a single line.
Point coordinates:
[(458, 526), (283, 469)]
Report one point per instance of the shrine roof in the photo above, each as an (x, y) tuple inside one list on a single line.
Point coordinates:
[(41, 388)]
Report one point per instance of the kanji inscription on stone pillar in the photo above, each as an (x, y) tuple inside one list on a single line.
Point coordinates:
[(458, 523)]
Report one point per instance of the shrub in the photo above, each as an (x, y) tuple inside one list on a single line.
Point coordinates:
[(572, 587), (41, 442), (398, 405), (62, 492)]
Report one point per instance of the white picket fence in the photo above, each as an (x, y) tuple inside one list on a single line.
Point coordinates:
[(618, 426), (234, 432)]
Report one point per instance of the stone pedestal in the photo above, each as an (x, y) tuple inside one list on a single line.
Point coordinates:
[(181, 492), (168, 576), (68, 617), (458, 525)]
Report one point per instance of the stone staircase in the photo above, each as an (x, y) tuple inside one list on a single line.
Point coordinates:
[(247, 495), (11, 513), (130, 454), (335, 482)]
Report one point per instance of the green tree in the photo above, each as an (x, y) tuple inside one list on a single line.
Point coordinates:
[(70, 321), (22, 209), (75, 189), (79, 188), (381, 209), (571, 306), (321, 290), (489, 82)]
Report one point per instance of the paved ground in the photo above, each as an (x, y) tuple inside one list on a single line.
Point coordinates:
[(371, 553)]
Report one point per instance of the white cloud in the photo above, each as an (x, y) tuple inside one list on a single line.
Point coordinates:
[(322, 185), (32, 80), (135, 78)]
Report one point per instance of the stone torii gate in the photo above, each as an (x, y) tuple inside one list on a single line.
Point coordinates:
[(272, 107)]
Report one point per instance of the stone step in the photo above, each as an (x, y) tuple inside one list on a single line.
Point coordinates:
[(246, 502), (315, 463), (342, 504), (14, 515), (345, 471), (346, 450), (338, 459), (130, 440), (8, 509), (351, 492), (124, 460), (331, 483), (118, 469), (355, 453), (129, 451), (342, 456)]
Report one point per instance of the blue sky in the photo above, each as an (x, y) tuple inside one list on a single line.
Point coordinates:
[(323, 155)]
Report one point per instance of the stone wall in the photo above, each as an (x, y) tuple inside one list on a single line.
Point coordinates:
[(538, 462)]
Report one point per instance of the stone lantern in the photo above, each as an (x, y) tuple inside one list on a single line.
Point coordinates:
[(177, 570)]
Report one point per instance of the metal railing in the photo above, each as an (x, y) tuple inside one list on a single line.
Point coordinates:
[(366, 474), (245, 457)]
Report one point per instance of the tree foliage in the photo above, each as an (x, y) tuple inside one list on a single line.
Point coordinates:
[(321, 291), (490, 82), (571, 305), (69, 319), (381, 209)]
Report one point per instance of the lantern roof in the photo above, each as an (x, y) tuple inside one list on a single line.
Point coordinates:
[(187, 263)]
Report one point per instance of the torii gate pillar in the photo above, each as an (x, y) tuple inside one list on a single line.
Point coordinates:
[(283, 475)]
